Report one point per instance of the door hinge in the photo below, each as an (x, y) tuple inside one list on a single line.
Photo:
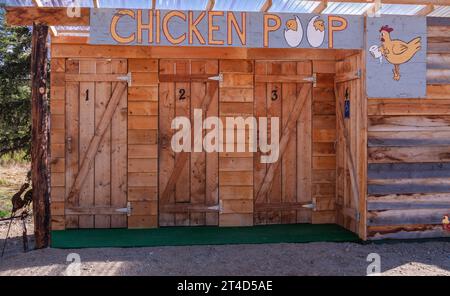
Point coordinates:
[(126, 78), (216, 207), (216, 78), (312, 79), (311, 206), (126, 210)]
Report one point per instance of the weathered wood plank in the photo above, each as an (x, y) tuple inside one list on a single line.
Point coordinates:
[(50, 16), (419, 231), (408, 154), (407, 107), (408, 201), (119, 152), (405, 186), (408, 139), (87, 102), (405, 217), (72, 146), (408, 170), (102, 161), (409, 123)]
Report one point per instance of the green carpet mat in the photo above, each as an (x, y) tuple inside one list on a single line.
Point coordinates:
[(185, 236)]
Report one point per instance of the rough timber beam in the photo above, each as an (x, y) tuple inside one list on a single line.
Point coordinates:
[(57, 16), (210, 5), (321, 7), (426, 10), (53, 30), (266, 6), (373, 9), (96, 3), (50, 16)]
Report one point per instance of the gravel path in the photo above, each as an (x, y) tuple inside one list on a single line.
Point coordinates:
[(427, 258)]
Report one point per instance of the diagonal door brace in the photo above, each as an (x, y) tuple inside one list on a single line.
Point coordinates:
[(184, 156), (300, 102), (100, 131)]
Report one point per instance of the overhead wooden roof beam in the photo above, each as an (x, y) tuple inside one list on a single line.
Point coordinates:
[(53, 30), (373, 10), (321, 7), (50, 16), (266, 6), (210, 5), (426, 10), (57, 16)]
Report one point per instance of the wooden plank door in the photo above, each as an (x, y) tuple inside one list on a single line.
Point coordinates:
[(90, 91), (188, 182), (350, 166), (283, 188)]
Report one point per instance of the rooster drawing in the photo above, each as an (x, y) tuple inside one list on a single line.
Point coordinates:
[(396, 51), (446, 223)]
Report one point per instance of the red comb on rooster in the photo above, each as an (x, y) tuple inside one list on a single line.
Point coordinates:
[(386, 28)]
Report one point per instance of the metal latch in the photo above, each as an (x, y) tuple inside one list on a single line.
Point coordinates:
[(216, 78), (359, 73), (69, 144), (312, 79), (126, 210), (126, 78)]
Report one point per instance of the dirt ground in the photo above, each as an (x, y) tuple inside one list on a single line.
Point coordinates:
[(428, 258), (425, 258)]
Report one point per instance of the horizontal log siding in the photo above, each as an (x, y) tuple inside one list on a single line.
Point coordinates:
[(409, 153)]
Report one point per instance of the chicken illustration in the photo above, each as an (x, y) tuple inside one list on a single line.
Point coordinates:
[(396, 51), (446, 223), (293, 32), (319, 25), (292, 25)]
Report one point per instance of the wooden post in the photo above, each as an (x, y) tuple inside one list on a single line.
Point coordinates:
[(40, 144)]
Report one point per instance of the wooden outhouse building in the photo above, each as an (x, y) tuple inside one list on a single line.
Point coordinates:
[(378, 166)]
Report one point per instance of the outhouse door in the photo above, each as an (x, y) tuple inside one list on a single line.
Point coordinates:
[(96, 143), (282, 189), (188, 181)]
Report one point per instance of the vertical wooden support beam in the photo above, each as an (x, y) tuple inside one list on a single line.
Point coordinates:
[(96, 3), (39, 149)]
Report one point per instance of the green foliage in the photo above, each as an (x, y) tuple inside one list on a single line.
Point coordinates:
[(15, 92)]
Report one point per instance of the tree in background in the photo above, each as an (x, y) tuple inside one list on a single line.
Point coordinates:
[(15, 93)]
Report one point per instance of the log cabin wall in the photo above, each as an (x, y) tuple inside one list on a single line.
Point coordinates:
[(409, 152)]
